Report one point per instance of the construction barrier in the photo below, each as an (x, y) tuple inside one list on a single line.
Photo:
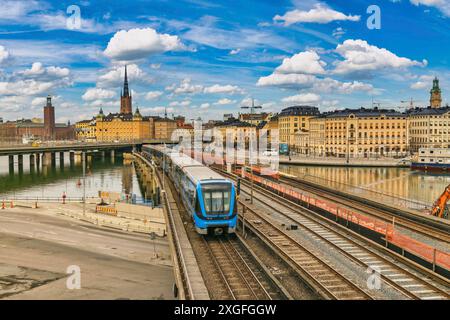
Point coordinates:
[(417, 248), (108, 210)]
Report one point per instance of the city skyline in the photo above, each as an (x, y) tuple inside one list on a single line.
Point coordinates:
[(296, 52)]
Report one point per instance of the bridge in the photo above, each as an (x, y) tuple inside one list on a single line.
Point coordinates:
[(45, 153)]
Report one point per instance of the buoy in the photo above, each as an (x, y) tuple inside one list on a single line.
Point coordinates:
[(3, 204)]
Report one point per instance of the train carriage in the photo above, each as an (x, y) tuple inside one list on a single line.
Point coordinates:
[(209, 198)]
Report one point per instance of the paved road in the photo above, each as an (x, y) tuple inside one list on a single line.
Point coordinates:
[(36, 248)]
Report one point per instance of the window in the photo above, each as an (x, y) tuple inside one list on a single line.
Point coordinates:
[(217, 198)]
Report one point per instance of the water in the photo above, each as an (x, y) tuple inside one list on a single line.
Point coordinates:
[(101, 175), (401, 183)]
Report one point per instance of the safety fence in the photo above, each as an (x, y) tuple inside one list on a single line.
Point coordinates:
[(417, 248)]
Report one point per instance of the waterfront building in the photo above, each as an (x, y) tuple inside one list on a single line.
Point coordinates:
[(164, 127), (429, 127), (356, 133), (270, 126), (123, 127), (48, 129), (233, 126), (86, 130), (293, 119)]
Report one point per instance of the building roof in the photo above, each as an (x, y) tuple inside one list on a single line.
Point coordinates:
[(233, 123), (299, 111), (363, 113), (428, 111)]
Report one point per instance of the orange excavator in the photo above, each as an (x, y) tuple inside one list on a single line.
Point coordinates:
[(440, 206)]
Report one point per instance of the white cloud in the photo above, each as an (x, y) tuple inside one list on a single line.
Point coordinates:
[(224, 101), (153, 95), (29, 87), (443, 5), (155, 66), (39, 101), (319, 14), (4, 54), (235, 51), (307, 62), (360, 57), (223, 89), (306, 98), (114, 77), (98, 93), (423, 83), (332, 85), (280, 79), (184, 103), (38, 71), (139, 43), (204, 106), (185, 87)]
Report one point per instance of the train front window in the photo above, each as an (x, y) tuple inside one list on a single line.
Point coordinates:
[(217, 198)]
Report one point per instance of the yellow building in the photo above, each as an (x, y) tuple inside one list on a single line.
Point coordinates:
[(236, 127), (123, 127), (85, 130), (357, 133), (164, 127), (271, 127), (293, 119), (429, 127)]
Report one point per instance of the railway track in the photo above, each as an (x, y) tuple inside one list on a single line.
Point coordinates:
[(229, 268), (384, 215), (408, 283), (324, 278), (244, 280)]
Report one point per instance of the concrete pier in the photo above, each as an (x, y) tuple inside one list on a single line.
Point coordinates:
[(61, 160), (72, 158), (11, 163), (38, 160), (20, 162), (53, 159)]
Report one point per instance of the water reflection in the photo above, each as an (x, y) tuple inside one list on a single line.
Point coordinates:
[(102, 173), (397, 182)]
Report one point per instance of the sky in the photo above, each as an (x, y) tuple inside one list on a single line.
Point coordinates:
[(202, 58)]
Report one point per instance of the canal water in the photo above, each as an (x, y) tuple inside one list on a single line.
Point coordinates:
[(102, 174), (396, 183)]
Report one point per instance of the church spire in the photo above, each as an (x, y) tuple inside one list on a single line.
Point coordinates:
[(125, 85)]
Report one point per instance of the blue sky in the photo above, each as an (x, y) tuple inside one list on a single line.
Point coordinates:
[(205, 58)]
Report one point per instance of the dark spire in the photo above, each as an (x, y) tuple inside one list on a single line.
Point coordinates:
[(125, 85)]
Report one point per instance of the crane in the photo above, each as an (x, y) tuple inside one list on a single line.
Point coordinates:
[(440, 206), (411, 102), (252, 108)]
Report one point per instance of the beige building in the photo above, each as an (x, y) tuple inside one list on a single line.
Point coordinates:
[(164, 128), (429, 127), (293, 119), (356, 133)]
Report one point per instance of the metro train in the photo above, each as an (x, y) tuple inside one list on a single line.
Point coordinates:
[(209, 198)]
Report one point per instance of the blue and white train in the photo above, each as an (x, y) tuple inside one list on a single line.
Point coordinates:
[(209, 198)]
